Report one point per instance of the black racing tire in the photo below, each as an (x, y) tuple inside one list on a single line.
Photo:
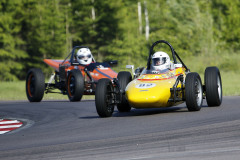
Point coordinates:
[(124, 78), (75, 85), (104, 98), (35, 85), (193, 92), (213, 86)]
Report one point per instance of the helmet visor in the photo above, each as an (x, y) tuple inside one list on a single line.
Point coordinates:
[(82, 57), (159, 61)]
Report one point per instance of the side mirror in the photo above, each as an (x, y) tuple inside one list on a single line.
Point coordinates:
[(178, 65), (131, 67), (112, 63)]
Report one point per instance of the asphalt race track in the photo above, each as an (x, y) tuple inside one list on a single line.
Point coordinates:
[(62, 130)]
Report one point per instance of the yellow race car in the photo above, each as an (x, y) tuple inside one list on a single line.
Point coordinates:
[(163, 83)]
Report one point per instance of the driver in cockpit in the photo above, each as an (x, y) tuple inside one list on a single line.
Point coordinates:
[(84, 56), (160, 61)]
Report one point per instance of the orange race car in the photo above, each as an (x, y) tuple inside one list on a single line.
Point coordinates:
[(75, 77)]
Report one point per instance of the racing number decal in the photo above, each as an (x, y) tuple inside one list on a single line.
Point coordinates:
[(146, 85)]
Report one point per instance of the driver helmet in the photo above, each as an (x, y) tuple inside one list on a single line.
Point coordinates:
[(160, 61), (84, 56)]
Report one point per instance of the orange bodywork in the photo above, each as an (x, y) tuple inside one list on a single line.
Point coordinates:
[(96, 73)]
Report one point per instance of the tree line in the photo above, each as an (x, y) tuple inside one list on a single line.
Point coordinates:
[(123, 30)]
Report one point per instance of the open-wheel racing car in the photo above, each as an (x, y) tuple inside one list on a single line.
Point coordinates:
[(75, 77), (163, 83)]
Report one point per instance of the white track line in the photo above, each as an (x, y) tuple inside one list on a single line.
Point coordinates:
[(11, 126), (2, 132), (9, 121)]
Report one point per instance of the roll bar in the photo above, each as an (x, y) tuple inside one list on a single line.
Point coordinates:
[(174, 54), (72, 54)]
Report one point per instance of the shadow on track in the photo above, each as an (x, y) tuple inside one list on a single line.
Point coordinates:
[(147, 112), (143, 112)]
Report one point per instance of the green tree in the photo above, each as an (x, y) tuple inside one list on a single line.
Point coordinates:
[(31, 30), (44, 31), (96, 31), (131, 46), (184, 24), (12, 51), (227, 22)]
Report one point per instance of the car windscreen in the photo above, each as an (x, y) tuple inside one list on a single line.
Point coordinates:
[(152, 71), (92, 66)]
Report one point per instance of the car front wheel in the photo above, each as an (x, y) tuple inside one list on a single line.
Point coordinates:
[(213, 84), (75, 85), (124, 78), (193, 91), (35, 85), (104, 98)]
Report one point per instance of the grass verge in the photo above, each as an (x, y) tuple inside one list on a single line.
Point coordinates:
[(16, 91)]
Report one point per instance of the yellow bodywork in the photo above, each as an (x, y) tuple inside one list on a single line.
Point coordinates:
[(153, 90)]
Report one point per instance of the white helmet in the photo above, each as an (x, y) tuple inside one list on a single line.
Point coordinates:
[(84, 56), (160, 61)]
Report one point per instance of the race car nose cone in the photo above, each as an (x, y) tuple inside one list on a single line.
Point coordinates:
[(153, 94)]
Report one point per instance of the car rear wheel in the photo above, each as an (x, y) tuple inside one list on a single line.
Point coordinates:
[(35, 85), (75, 85), (193, 91), (124, 78), (104, 98), (213, 85)]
